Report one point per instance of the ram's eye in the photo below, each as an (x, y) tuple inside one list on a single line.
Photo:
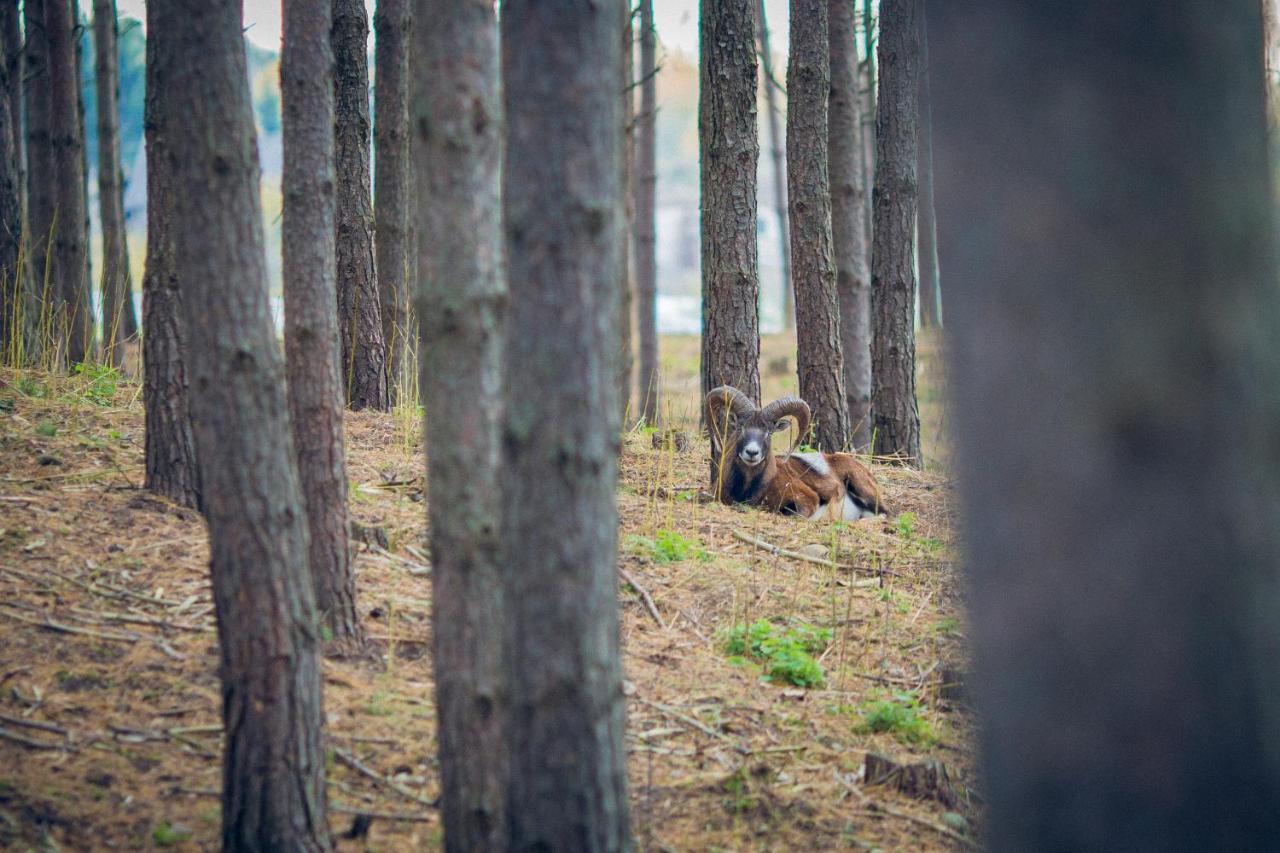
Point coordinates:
[(781, 426)]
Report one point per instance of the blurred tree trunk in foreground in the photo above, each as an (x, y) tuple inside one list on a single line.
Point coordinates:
[(170, 445), (11, 55), (895, 416), (462, 302), (40, 179), (364, 356), (273, 785), (311, 344), (391, 180), (849, 218), (818, 359), (645, 225), (626, 300), (1107, 228), (70, 250), (11, 289), (564, 231), (119, 320), (730, 150)]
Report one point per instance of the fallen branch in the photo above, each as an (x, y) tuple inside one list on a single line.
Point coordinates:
[(690, 721), (355, 764), (48, 623), (34, 724), (880, 810), (644, 596), (30, 742), (797, 555)]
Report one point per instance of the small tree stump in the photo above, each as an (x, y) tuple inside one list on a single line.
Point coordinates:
[(924, 780)]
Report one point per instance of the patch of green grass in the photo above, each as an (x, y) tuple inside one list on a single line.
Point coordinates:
[(47, 428), (166, 835), (947, 625), (379, 704), (667, 546), (786, 654), (897, 599), (29, 387), (905, 524), (103, 380), (898, 714)]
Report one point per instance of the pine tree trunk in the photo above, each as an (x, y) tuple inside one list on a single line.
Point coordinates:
[(730, 150), (82, 37), (69, 263), (364, 367), (11, 39), (10, 224), (40, 184), (1116, 408), (311, 342), (626, 279), (273, 795), (171, 468), (818, 358), (119, 323), (563, 221), (849, 225), (391, 192), (776, 145), (645, 226), (926, 221), (895, 416), (867, 80), (462, 302)]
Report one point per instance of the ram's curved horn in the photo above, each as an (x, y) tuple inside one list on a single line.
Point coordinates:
[(795, 407), (726, 395)]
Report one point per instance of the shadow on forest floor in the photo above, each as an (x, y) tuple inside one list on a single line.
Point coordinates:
[(109, 699)]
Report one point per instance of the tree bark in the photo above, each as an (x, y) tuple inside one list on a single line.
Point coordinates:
[(11, 289), (11, 38), (776, 145), (730, 150), (273, 795), (391, 191), (564, 228), (645, 224), (69, 263), (40, 184), (462, 302), (364, 353), (1114, 337), (849, 218), (926, 221), (119, 322), (818, 359), (868, 80), (895, 416), (311, 345), (171, 468), (1271, 65)]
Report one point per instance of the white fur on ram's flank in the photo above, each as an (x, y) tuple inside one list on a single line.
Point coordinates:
[(816, 461)]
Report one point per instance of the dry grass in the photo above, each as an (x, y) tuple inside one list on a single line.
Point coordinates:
[(106, 634)]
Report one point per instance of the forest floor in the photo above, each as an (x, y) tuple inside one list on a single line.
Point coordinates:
[(109, 696)]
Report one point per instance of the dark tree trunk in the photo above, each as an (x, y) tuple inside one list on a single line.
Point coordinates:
[(626, 268), (11, 288), (81, 34), (311, 342), (776, 145), (119, 322), (273, 793), (895, 416), (867, 79), (730, 150), (462, 302), (41, 181), (11, 39), (364, 367), (645, 226), (1116, 416), (391, 190), (170, 446), (849, 225), (818, 359), (926, 221), (564, 230), (74, 323)]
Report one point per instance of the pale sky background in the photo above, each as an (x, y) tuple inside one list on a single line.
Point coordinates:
[(676, 20)]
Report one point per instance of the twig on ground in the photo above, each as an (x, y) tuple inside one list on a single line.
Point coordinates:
[(644, 596), (796, 555), (30, 742), (34, 724), (355, 764), (880, 810), (690, 721)]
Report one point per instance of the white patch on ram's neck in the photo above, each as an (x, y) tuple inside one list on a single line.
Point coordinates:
[(816, 461)]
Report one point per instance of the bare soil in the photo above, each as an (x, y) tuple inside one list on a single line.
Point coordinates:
[(109, 695)]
